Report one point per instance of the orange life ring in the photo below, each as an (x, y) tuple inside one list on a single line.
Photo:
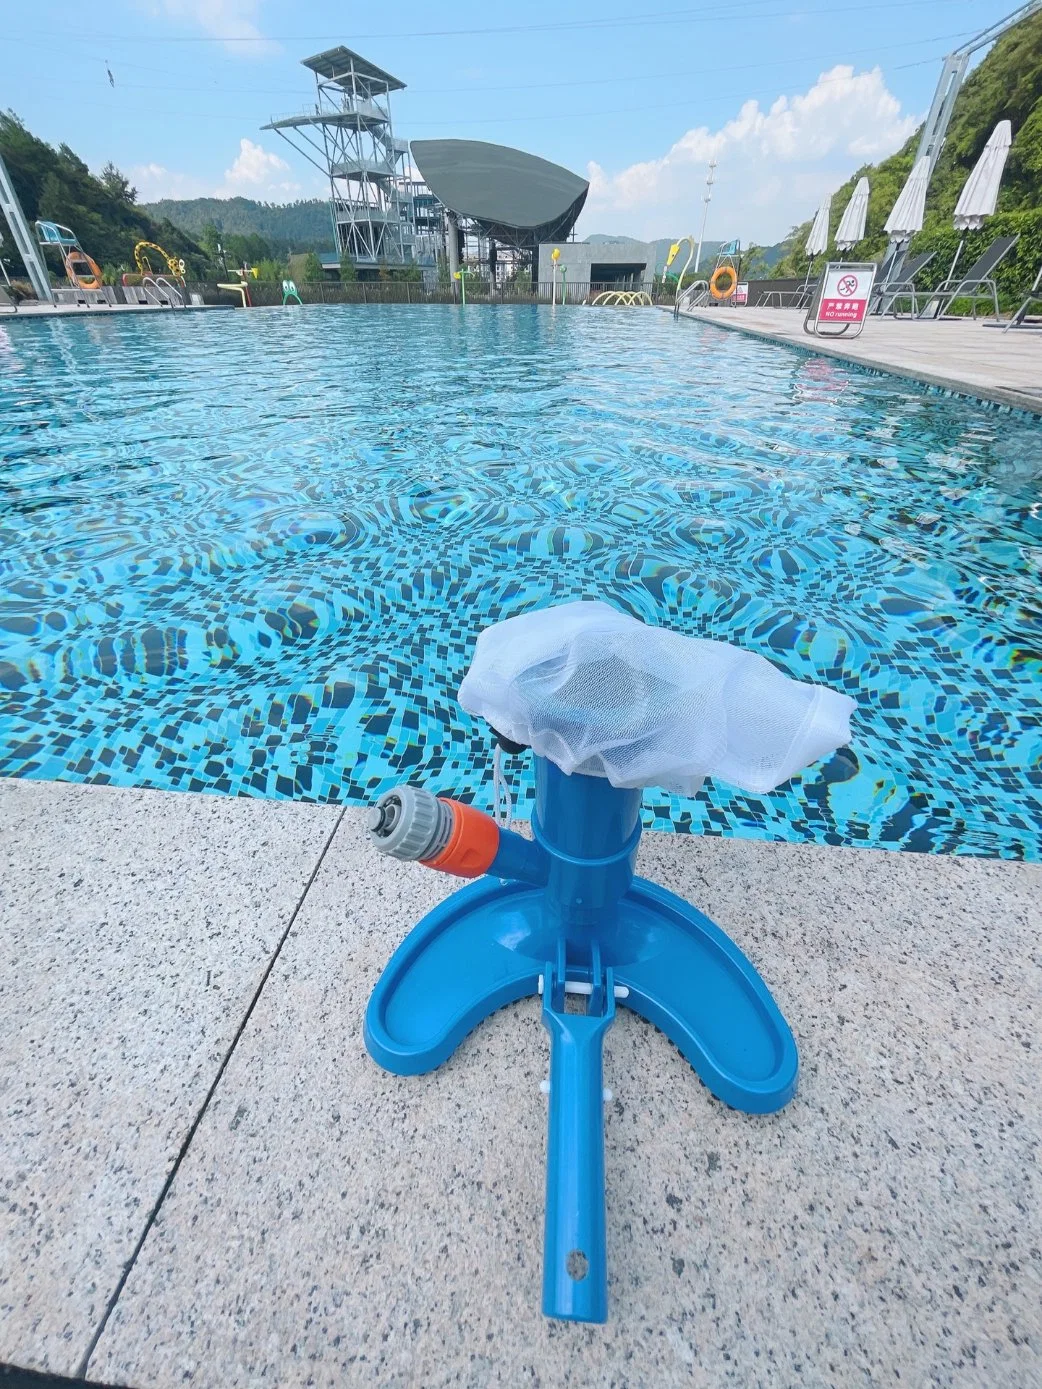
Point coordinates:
[(714, 287), (83, 272)]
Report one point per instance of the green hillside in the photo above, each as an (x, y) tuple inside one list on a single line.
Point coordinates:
[(285, 227), (56, 186), (1006, 86)]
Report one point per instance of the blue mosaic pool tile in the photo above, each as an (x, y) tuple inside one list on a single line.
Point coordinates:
[(250, 554)]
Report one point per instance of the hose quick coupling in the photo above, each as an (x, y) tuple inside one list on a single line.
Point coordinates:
[(411, 823)]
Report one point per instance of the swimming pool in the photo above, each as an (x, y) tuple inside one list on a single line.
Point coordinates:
[(250, 552)]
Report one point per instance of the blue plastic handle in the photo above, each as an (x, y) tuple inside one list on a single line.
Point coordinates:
[(565, 905), (575, 1259)]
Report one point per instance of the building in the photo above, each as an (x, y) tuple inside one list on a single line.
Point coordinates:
[(603, 265), (349, 137), (499, 203), (483, 205)]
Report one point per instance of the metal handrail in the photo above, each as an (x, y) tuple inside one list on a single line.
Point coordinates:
[(177, 298), (159, 284), (697, 287)]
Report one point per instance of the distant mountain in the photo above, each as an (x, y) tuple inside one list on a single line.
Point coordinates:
[(286, 227)]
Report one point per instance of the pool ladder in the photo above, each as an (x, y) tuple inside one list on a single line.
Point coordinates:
[(159, 290)]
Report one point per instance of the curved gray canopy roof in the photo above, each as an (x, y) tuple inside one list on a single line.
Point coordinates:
[(501, 187)]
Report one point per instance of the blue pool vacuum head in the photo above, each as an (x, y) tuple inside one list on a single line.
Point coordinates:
[(563, 915)]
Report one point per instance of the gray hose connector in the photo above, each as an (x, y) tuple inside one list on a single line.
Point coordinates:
[(409, 823)]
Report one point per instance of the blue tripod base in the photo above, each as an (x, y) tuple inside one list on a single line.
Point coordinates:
[(582, 928)]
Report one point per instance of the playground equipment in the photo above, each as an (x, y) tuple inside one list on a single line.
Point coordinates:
[(674, 251), (238, 287), (83, 272), (175, 266), (289, 291), (607, 706), (461, 275), (555, 258), (622, 299)]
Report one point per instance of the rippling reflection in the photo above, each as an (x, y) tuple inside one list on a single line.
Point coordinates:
[(250, 553)]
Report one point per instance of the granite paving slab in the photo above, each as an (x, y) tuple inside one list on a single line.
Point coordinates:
[(135, 928), (332, 1224)]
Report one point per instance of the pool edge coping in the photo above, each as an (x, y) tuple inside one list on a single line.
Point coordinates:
[(998, 397)]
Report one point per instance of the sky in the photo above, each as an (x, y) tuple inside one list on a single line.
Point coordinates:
[(788, 96)]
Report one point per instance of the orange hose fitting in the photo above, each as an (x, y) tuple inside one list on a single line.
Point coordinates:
[(473, 843)]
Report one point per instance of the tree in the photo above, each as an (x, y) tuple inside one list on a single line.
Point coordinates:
[(270, 270), (115, 183), (348, 269), (246, 250), (56, 185), (756, 265), (210, 238), (312, 268)]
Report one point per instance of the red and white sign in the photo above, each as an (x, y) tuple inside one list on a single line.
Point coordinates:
[(845, 294), (741, 294)]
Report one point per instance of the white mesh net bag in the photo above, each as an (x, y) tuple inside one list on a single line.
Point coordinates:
[(598, 692)]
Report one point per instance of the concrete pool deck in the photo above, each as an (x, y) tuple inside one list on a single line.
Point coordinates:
[(955, 354), (207, 1181)]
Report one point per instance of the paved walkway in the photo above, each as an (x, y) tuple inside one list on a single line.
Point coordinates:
[(207, 1181), (959, 355)]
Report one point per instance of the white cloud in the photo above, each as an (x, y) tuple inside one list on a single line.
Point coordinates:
[(258, 173), (254, 173), (154, 181), (775, 164), (225, 19)]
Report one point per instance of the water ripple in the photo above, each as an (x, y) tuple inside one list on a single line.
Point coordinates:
[(250, 553)]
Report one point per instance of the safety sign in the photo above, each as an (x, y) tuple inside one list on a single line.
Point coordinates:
[(842, 300)]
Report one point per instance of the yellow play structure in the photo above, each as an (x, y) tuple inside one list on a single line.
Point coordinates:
[(174, 265), (623, 299)]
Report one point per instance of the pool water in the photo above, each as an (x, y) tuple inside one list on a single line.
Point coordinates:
[(250, 553)]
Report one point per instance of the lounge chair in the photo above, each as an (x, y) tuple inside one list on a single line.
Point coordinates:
[(791, 298), (978, 283), (890, 267), (1020, 318), (902, 286)]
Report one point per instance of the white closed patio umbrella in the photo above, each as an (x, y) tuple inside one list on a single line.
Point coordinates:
[(906, 215), (819, 233), (980, 192), (819, 238), (851, 227)]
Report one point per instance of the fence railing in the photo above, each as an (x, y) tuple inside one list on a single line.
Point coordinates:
[(265, 293)]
